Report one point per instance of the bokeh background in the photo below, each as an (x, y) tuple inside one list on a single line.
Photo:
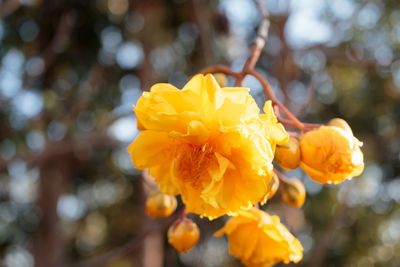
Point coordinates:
[(70, 71)]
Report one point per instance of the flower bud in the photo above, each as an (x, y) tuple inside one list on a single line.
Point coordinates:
[(160, 205), (183, 234), (288, 156), (293, 192), (331, 154), (338, 122), (273, 186), (221, 79)]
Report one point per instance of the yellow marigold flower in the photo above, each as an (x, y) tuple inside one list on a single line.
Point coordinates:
[(160, 205), (183, 234), (209, 144), (331, 154), (259, 239), (288, 156)]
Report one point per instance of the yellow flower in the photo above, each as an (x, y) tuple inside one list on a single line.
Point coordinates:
[(331, 154), (260, 240), (209, 144)]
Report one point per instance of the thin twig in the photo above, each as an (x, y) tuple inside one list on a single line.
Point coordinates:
[(258, 43), (221, 69), (249, 67), (307, 126), (268, 91)]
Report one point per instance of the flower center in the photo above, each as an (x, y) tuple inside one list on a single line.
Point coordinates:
[(193, 162)]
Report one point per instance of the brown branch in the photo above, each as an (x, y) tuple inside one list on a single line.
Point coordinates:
[(249, 67), (268, 91), (258, 43), (307, 126), (221, 69)]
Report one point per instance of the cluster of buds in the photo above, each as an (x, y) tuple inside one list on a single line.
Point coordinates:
[(183, 234), (329, 154)]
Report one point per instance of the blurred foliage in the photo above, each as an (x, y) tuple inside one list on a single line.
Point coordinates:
[(71, 70)]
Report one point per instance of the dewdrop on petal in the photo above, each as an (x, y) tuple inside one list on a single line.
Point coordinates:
[(160, 205), (183, 234), (288, 156), (293, 192)]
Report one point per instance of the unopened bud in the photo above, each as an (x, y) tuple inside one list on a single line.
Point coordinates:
[(288, 156), (293, 192), (183, 234), (160, 205), (338, 122), (273, 186)]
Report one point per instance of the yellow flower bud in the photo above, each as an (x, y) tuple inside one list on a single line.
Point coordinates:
[(293, 192), (221, 79), (331, 154), (338, 122), (288, 156), (160, 205), (183, 234), (273, 186)]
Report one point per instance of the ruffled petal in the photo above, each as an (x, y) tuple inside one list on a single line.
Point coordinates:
[(150, 148), (258, 239)]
